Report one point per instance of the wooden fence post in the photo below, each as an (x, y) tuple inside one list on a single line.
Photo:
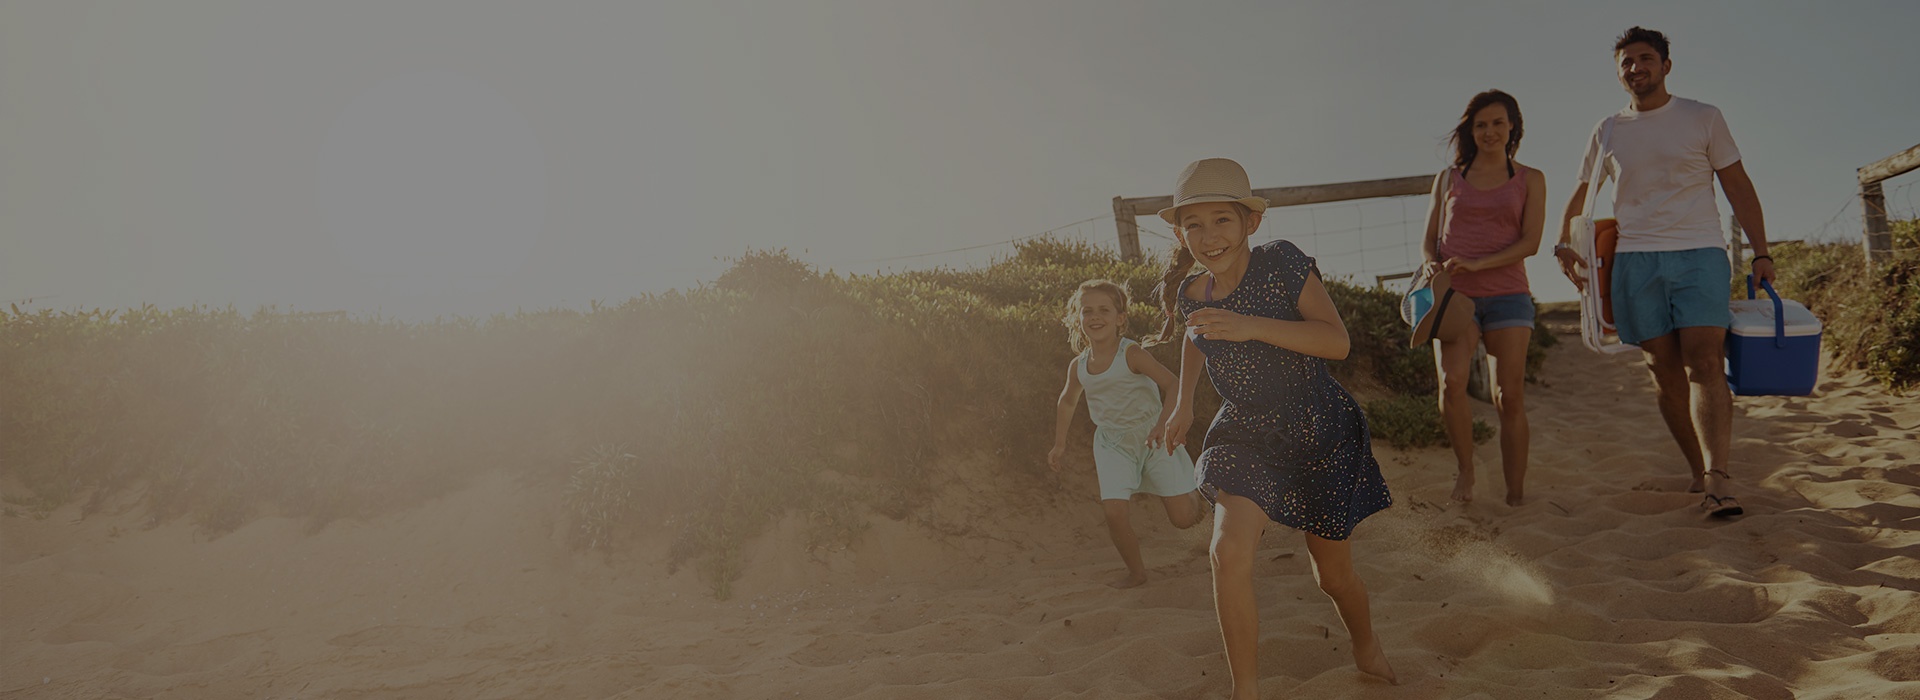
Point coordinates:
[(1123, 221), (1877, 239)]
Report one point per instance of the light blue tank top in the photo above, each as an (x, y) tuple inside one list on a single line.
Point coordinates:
[(1118, 398)]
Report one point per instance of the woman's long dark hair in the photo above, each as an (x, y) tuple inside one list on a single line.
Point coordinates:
[(1464, 147)]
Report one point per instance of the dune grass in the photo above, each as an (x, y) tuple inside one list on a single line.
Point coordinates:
[(710, 413), (1870, 313)]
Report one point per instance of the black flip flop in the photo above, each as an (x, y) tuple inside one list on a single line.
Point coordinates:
[(1716, 506), (1439, 314)]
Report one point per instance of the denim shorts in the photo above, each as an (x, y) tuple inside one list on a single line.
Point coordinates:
[(1658, 292), (1503, 311)]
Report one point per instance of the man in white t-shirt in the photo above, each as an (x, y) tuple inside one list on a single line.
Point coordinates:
[(1670, 277)]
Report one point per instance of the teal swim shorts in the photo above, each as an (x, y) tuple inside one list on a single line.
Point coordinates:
[(1658, 292)]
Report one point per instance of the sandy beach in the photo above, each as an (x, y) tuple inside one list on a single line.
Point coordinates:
[(1607, 583)]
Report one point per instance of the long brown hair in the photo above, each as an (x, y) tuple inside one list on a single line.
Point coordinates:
[(1077, 336), (1179, 262), (1464, 147)]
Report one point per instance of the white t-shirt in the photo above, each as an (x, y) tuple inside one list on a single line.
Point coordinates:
[(1663, 162)]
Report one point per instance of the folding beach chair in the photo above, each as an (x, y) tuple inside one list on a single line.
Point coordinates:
[(1595, 241)]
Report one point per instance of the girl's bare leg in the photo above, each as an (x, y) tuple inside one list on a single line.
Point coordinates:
[(1237, 524), (1333, 568), (1124, 540), (1183, 511)]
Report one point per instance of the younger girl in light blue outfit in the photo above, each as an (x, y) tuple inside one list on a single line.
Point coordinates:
[(1130, 395)]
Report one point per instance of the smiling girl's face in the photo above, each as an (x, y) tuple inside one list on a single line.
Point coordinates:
[(1216, 232), (1101, 316)]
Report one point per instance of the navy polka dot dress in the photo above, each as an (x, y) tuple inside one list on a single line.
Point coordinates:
[(1288, 436)]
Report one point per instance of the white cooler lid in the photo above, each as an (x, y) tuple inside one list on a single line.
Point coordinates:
[(1754, 317)]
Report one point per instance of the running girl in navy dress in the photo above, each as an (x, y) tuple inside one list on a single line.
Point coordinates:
[(1289, 444)]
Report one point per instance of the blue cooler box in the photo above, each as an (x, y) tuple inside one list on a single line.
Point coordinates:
[(1773, 346)]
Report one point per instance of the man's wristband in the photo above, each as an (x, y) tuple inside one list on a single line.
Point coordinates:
[(1758, 258)]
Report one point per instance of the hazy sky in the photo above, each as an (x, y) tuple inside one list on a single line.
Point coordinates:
[(464, 157)]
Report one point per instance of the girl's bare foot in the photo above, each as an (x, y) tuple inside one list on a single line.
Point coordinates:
[(1130, 580), (1372, 660), (1463, 488), (1514, 499)]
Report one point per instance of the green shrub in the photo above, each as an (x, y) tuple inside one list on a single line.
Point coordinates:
[(1870, 313), (1414, 421), (712, 412), (600, 495)]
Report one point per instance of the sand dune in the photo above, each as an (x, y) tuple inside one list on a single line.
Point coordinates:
[(1606, 584)]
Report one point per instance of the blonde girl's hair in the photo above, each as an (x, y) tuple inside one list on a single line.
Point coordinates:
[(1076, 337), (1180, 263)]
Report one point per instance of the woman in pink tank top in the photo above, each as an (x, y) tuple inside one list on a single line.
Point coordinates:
[(1484, 221)]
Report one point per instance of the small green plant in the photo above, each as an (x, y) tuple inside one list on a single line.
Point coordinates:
[(1414, 421), (600, 495)]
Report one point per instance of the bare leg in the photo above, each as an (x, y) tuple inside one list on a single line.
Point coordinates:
[(1703, 350), (1183, 510), (1455, 361), (1124, 540), (1333, 568), (1669, 370), (1237, 524), (1508, 348)]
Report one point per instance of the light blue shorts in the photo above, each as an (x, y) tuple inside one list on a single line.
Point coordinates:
[(1127, 466), (1658, 292), (1503, 311)]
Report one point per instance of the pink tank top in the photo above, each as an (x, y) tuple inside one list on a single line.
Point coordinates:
[(1478, 223)]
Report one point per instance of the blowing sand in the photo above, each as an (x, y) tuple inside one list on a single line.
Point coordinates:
[(1606, 583)]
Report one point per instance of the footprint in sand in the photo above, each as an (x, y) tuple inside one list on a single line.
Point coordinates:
[(1850, 429)]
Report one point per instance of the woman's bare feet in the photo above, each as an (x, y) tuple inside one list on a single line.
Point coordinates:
[(1514, 498), (1129, 580), (1372, 660), (1463, 487)]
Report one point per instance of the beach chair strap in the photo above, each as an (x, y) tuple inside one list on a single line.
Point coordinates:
[(1599, 166)]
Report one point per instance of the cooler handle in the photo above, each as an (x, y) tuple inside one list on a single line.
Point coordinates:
[(1779, 311)]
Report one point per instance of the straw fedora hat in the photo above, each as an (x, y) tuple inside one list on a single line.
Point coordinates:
[(1434, 310), (1212, 180)]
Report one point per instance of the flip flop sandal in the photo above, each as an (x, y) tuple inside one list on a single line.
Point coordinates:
[(1721, 506)]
